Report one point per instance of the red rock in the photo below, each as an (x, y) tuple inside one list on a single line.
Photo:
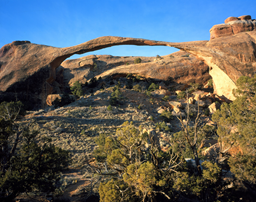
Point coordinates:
[(229, 19), (29, 70), (242, 26), (233, 26), (245, 17), (220, 30), (50, 98)]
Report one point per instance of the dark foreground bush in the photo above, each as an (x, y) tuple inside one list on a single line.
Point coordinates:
[(27, 161)]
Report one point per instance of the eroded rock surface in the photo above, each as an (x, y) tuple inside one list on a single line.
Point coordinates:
[(233, 25), (180, 66), (28, 71), (228, 57)]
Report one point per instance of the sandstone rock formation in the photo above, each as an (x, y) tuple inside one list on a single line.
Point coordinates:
[(29, 70), (233, 25), (181, 67)]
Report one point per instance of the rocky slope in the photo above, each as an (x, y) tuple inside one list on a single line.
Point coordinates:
[(74, 127)]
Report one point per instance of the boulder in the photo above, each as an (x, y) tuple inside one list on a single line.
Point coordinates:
[(201, 103), (175, 104), (50, 98), (160, 93), (191, 100), (229, 19), (245, 17), (160, 110), (176, 110), (212, 152), (213, 107), (233, 25)]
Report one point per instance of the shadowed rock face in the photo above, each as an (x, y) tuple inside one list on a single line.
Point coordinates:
[(29, 70), (228, 58)]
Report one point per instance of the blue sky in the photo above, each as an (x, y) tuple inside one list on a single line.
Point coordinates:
[(63, 23)]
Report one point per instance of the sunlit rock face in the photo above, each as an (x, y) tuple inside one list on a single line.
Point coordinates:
[(31, 72), (233, 25), (179, 66)]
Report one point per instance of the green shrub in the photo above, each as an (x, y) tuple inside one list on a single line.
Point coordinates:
[(93, 82), (210, 83), (165, 98), (137, 60), (162, 126), (82, 132), (109, 108), (11, 110), (116, 96), (148, 93), (167, 115), (129, 84), (137, 88), (153, 87), (237, 128), (207, 112), (129, 76), (143, 169), (95, 67), (76, 89), (158, 56), (138, 77), (181, 95), (195, 86)]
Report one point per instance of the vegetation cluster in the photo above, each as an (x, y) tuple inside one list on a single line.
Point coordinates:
[(135, 166), (28, 162), (141, 171)]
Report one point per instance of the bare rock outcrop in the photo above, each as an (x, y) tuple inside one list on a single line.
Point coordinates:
[(233, 25), (228, 57), (180, 66), (29, 71)]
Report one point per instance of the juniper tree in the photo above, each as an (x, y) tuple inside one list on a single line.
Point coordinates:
[(26, 162), (139, 168), (76, 89), (237, 130), (141, 171)]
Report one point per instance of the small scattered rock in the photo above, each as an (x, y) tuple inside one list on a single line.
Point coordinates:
[(201, 103), (175, 104), (213, 107)]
